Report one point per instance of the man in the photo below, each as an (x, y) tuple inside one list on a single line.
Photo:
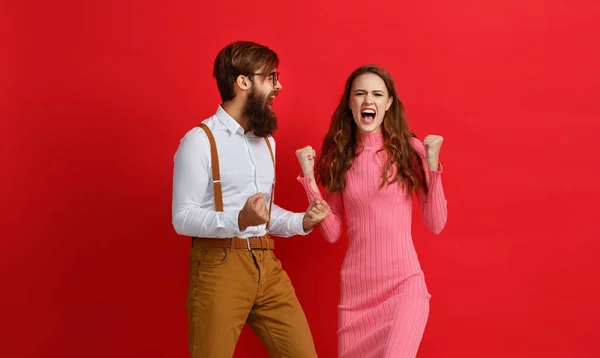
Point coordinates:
[(223, 185)]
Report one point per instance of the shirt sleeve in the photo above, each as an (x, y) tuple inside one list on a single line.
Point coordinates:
[(285, 223), (331, 228), (433, 203), (191, 177)]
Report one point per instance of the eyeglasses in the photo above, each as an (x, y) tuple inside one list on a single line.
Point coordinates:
[(273, 75)]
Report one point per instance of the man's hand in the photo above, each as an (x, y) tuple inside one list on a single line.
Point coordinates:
[(317, 211), (254, 212)]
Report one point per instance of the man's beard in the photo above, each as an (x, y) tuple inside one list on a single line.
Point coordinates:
[(261, 119)]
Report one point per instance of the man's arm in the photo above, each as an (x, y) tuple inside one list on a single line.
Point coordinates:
[(191, 176), (285, 223)]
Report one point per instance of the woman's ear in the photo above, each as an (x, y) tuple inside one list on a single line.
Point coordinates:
[(389, 103)]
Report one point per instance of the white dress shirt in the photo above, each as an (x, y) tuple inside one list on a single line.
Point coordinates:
[(246, 168)]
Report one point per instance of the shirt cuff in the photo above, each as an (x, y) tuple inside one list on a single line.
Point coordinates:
[(230, 218), (298, 218), (440, 168), (307, 184)]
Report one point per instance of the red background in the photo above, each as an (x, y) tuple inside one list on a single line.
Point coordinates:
[(96, 95)]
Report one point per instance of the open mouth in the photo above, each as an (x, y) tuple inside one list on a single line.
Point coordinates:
[(368, 115), (270, 101)]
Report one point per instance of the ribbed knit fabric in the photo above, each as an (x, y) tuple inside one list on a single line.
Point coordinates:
[(384, 302)]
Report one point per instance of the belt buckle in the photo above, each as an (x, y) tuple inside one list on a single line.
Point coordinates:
[(248, 243)]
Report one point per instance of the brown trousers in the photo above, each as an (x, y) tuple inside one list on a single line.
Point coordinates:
[(228, 287)]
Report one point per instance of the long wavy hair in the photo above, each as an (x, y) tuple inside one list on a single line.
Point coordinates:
[(341, 144)]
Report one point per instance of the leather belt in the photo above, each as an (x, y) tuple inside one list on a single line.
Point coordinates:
[(256, 243)]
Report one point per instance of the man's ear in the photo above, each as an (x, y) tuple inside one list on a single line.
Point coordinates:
[(243, 82)]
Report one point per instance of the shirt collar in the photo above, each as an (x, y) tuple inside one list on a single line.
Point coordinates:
[(231, 124)]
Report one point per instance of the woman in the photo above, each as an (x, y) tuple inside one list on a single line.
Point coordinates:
[(370, 166)]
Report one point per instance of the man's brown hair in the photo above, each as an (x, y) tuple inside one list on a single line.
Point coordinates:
[(241, 58)]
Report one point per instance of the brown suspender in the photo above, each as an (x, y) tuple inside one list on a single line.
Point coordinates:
[(215, 168), (273, 185), (217, 177)]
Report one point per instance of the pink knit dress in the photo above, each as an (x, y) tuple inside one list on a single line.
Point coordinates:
[(384, 302)]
